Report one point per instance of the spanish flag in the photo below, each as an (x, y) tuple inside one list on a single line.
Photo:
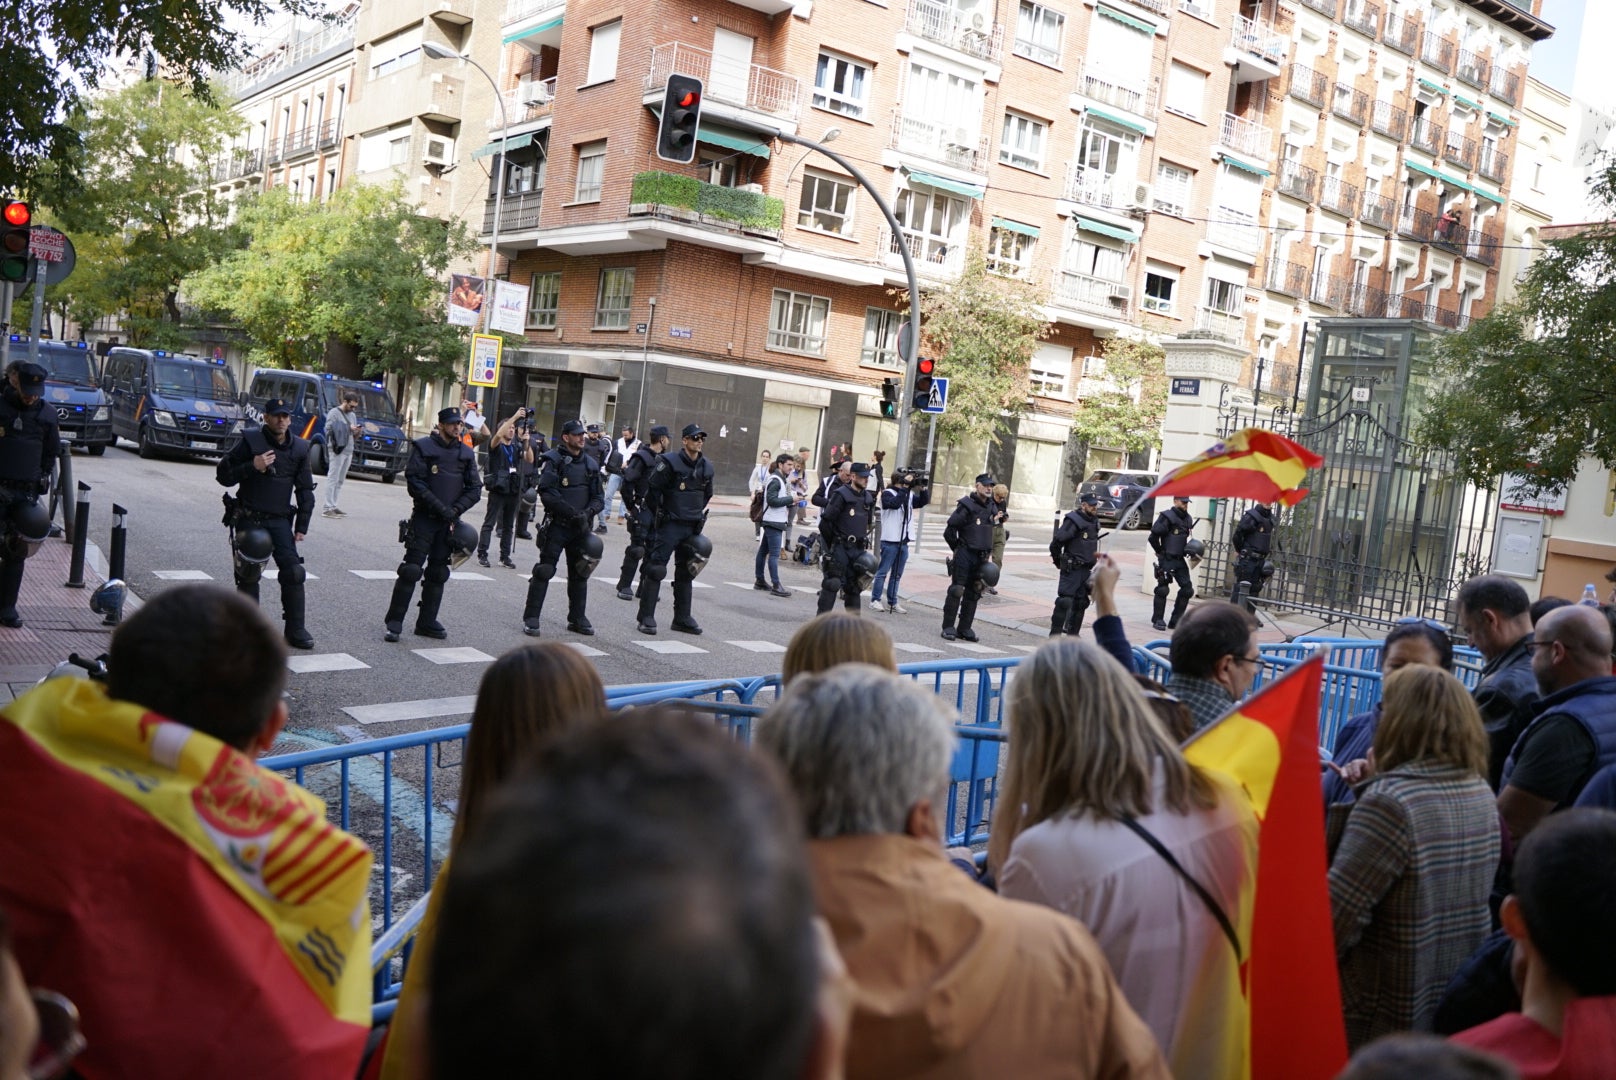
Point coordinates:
[(1250, 464), (201, 912), (1269, 746)]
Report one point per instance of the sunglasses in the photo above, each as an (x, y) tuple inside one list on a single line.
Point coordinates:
[(1412, 620), (696, 438)]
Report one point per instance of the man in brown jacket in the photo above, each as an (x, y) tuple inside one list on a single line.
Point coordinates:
[(950, 980)]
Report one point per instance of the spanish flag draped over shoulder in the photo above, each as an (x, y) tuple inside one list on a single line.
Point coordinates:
[(199, 910), (1250, 464), (1269, 746)]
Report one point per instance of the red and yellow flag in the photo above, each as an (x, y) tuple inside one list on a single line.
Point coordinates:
[(1250, 464), (1269, 746)]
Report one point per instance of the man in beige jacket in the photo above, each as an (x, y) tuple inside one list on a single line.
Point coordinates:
[(950, 979)]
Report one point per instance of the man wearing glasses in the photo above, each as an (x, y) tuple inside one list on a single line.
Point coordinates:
[(680, 487), (1214, 657)]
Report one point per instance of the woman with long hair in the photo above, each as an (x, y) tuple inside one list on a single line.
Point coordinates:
[(1412, 859), (504, 483), (1102, 818), (837, 638)]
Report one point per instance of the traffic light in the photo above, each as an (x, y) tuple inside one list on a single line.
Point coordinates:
[(14, 261), (890, 389), (923, 370), (681, 114)]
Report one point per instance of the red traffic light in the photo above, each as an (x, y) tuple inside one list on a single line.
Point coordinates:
[(924, 365), (18, 214), (689, 99)]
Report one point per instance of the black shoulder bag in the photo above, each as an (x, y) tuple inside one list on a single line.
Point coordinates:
[(1206, 898)]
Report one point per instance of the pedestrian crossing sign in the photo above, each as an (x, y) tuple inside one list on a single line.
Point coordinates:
[(939, 396)]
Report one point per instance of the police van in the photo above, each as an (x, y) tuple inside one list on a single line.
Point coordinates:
[(168, 402), (381, 448), (72, 389)]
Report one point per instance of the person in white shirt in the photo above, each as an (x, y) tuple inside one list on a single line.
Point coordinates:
[(755, 483), (614, 463), (908, 492)]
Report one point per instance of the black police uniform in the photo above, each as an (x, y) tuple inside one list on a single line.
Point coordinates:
[(636, 493), (1252, 540), (529, 472), (969, 535), (679, 490), (1074, 549), (570, 490), (29, 444), (264, 500), (442, 478), (845, 527), (1168, 537)]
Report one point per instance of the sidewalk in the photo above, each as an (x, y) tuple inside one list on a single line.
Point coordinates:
[(56, 620)]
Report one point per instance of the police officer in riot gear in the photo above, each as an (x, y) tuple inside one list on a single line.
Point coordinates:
[(29, 444), (636, 491), (1074, 548), (443, 480), (269, 468), (969, 535), (1252, 540), (571, 493), (679, 489), (1168, 538), (845, 527)]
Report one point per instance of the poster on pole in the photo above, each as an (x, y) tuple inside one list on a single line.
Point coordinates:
[(465, 299), (485, 356), (510, 308)]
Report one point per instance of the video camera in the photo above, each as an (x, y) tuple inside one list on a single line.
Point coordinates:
[(907, 477)]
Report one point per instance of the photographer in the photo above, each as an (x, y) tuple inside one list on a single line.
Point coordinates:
[(908, 492), (503, 479), (528, 468)]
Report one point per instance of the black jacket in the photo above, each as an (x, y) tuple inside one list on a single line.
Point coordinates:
[(1171, 532), (1506, 697), (270, 492), (442, 477), (29, 439)]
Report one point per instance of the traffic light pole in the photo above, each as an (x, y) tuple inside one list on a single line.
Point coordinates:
[(38, 320), (909, 348)]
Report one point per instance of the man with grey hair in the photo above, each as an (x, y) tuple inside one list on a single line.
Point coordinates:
[(951, 980)]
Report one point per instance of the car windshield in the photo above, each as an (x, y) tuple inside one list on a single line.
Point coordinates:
[(210, 382), (374, 404), (64, 365)]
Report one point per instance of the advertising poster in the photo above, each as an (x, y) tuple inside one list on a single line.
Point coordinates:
[(465, 299), (510, 308)]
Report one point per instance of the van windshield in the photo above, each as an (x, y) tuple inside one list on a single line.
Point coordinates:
[(209, 382), (374, 404), (75, 366)]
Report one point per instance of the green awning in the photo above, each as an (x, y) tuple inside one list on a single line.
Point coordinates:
[(1460, 99), (1495, 118), (1435, 88), (1462, 185), (549, 24), (515, 142), (1244, 166), (1120, 121), (1128, 20), (730, 138), (1489, 196), (1423, 169), (1015, 226), (943, 183), (1090, 225)]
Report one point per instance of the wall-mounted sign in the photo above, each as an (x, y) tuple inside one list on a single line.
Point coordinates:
[(681, 332), (1186, 388)]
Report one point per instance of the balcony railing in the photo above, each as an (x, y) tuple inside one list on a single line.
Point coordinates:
[(299, 142), (1339, 196), (1473, 69), (1234, 229), (1427, 136), (1349, 104), (762, 90), (522, 10), (1362, 17), (1366, 303), (1329, 290), (274, 151), (1245, 136), (1095, 187), (239, 164), (1326, 8), (1123, 92), (1085, 292), (939, 141), (1308, 85), (972, 32), (1400, 34), (1258, 39), (517, 213), (1297, 180), (1504, 85), (533, 100), (1225, 325), (330, 133), (1460, 149), (1447, 233), (1494, 164), (289, 54), (1377, 210), (1482, 246), (1160, 7), (681, 197), (1287, 277), (1436, 50), (1414, 223), (1388, 120), (935, 256)]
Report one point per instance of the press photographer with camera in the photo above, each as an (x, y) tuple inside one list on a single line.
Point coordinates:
[(909, 491)]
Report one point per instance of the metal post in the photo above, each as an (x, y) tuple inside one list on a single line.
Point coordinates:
[(120, 543), (81, 537), (5, 324), (62, 488), (38, 318), (920, 515), (645, 372)]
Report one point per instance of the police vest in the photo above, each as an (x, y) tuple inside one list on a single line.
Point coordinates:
[(567, 477), (1256, 532), (847, 512), (1591, 703), (446, 468), (976, 532), (24, 430), (1175, 531), (271, 492), (682, 485), (1079, 536)]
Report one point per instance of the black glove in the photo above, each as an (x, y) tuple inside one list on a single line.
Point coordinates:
[(1055, 559), (42, 487)]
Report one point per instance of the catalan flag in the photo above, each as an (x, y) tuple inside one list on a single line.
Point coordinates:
[(1269, 746), (1250, 464), (201, 911)]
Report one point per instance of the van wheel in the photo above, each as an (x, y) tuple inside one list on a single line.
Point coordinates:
[(148, 449), (389, 477), (317, 461), (98, 449)]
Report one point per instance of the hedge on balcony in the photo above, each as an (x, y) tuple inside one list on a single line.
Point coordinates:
[(747, 209)]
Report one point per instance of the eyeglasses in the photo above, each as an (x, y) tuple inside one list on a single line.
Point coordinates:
[(1246, 659), (1537, 643), (60, 1040), (1412, 620), (696, 438)]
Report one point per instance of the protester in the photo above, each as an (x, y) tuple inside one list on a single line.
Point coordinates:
[(1154, 856), (1413, 858), (1399, 1057), (1545, 604), (1214, 657), (952, 980), (836, 637), (1494, 614)]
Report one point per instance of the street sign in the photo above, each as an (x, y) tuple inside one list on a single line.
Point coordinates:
[(46, 243), (939, 396), (1186, 388), (485, 357)]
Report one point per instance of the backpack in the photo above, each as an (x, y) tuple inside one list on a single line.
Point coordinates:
[(614, 461), (755, 511)]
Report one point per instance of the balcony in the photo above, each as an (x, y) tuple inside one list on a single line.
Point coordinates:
[(330, 133), (1415, 224), (1096, 187), (1494, 164), (1085, 292), (1436, 50), (236, 166), (934, 256), (517, 213), (1482, 246), (1235, 230), (1245, 137), (1123, 92), (1388, 120), (289, 54), (533, 99), (1473, 69), (1326, 8), (971, 32), (1297, 180), (1362, 17), (1223, 325), (300, 142), (1329, 290), (1427, 136), (1308, 85), (1258, 39), (951, 144), (1460, 149), (1365, 303), (1286, 277), (1349, 104), (1338, 196), (661, 194), (1505, 86), (1401, 34), (533, 23), (1377, 210), (759, 89)]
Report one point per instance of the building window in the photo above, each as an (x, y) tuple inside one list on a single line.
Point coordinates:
[(1095, 261), (1038, 33), (603, 41), (381, 149), (841, 85), (1172, 192), (1160, 284), (1186, 90), (721, 170), (929, 221), (591, 169), (1049, 371), (826, 204), (797, 322), (524, 176), (395, 53), (1224, 296), (544, 300), (1107, 165), (1010, 252), (398, 146), (616, 294), (1021, 142), (881, 339)]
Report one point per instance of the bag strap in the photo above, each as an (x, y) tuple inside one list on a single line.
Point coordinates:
[(1206, 898)]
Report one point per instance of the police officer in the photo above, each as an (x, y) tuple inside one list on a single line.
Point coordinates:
[(846, 562), (1075, 547), (680, 486), (570, 491), (29, 444), (840, 473), (1168, 538), (1253, 539), (442, 479), (636, 491), (269, 468), (969, 535)]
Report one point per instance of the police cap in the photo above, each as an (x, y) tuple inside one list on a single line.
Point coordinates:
[(30, 378), (660, 431), (1088, 498), (694, 431), (277, 407), (986, 478), (573, 427), (449, 416), (860, 469)]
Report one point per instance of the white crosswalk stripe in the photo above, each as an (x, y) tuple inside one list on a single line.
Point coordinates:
[(422, 709), (461, 655), (375, 575), (669, 648), (758, 646), (305, 665), (909, 648), (584, 650), (182, 575)]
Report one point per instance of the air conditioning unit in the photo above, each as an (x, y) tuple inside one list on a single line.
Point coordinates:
[(1121, 293), (960, 137), (1141, 195), (438, 151), (976, 22), (532, 92)]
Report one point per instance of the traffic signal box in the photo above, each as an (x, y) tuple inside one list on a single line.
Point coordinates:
[(924, 367), (14, 261), (681, 116)]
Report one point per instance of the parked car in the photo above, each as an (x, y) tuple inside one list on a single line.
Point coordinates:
[(1117, 489), (74, 391), (165, 401), (382, 448)]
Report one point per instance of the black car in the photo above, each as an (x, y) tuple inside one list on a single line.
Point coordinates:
[(1117, 489)]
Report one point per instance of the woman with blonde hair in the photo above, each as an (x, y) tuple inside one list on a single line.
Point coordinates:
[(504, 483), (837, 638), (1413, 866), (1103, 819)]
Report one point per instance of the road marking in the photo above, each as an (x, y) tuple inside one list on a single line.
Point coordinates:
[(462, 655), (393, 711), (740, 584), (809, 589), (182, 575), (468, 575), (980, 650), (341, 661), (914, 649), (669, 648), (758, 646), (584, 650), (375, 575)]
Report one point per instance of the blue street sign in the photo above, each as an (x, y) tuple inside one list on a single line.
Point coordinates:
[(939, 396)]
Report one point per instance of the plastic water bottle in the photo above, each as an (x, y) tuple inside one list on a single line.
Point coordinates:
[(1590, 595)]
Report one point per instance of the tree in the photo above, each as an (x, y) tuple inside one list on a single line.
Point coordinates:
[(58, 50), (1125, 407), (364, 268)]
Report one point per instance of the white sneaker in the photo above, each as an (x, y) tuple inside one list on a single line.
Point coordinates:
[(897, 609), (876, 605)]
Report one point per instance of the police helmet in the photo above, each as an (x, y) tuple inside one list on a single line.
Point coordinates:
[(254, 544), (462, 542), (109, 598), (1267, 569), (693, 552), (593, 550), (31, 521), (1194, 549), (990, 574)]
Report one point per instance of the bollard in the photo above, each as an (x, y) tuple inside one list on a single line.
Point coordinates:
[(81, 538), (59, 493), (120, 542), (1242, 590)]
